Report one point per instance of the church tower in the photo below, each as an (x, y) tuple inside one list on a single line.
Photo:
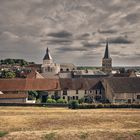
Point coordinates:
[(48, 66), (107, 61)]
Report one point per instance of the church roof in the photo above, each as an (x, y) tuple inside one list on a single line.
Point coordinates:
[(47, 55), (106, 55)]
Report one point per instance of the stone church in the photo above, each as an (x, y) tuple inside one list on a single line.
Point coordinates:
[(48, 66), (107, 61)]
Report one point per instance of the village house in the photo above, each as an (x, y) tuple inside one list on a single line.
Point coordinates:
[(113, 89), (122, 89), (78, 88), (16, 90)]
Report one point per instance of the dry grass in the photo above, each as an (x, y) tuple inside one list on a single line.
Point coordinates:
[(31, 123)]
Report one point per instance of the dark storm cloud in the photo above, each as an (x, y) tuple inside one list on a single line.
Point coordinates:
[(54, 41), (118, 40), (84, 36), (61, 34), (67, 49), (109, 31), (91, 45)]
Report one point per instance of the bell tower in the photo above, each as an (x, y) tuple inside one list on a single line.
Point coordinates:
[(107, 61), (48, 66)]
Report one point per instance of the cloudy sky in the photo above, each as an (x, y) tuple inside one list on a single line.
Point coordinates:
[(74, 30)]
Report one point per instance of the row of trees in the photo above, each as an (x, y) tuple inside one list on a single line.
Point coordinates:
[(9, 61)]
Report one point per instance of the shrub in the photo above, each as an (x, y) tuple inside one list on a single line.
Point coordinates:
[(50, 136), (83, 136), (3, 133), (100, 106), (61, 101), (51, 101), (82, 100), (73, 104), (38, 101)]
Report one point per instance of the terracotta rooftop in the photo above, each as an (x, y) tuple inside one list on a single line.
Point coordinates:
[(16, 96), (28, 84)]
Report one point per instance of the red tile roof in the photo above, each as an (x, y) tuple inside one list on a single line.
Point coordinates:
[(29, 84), (15, 96)]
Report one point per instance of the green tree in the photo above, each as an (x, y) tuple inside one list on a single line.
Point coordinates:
[(10, 74), (33, 95), (73, 104)]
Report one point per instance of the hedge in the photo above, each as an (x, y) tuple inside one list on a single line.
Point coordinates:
[(93, 106)]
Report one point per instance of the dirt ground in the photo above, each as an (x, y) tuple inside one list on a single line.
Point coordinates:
[(42, 123)]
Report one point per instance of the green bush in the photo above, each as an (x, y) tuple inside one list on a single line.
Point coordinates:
[(61, 101), (51, 101), (3, 133), (100, 106), (82, 100), (73, 104), (50, 136)]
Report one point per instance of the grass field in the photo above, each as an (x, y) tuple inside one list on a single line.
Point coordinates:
[(36, 123)]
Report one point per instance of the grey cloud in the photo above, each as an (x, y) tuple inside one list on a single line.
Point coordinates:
[(91, 45), (61, 34), (67, 49), (120, 40), (132, 18), (84, 36), (109, 31), (57, 41)]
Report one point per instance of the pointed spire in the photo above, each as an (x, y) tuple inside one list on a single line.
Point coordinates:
[(47, 55), (106, 55)]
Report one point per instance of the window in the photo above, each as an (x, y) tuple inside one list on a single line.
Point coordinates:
[(64, 92), (49, 69), (76, 91), (138, 96), (96, 92), (85, 92), (63, 97), (73, 97), (68, 98), (76, 97)]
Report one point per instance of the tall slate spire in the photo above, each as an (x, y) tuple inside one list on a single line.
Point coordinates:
[(47, 55), (106, 55)]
